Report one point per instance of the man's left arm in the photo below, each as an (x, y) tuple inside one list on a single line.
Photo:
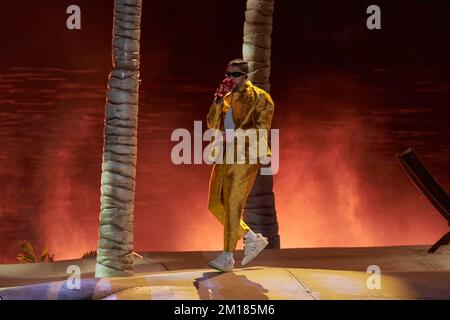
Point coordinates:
[(264, 112), (263, 120)]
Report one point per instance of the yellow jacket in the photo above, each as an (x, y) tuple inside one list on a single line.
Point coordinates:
[(253, 108)]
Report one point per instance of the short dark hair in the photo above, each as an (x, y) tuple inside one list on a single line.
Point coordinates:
[(243, 65)]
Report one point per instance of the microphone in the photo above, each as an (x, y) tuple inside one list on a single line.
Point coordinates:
[(226, 85)]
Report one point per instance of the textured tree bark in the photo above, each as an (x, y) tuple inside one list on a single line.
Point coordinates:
[(256, 49), (259, 212), (115, 245)]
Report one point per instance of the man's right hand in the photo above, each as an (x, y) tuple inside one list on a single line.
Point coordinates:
[(225, 87)]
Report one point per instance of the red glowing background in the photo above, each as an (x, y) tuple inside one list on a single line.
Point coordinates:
[(347, 100)]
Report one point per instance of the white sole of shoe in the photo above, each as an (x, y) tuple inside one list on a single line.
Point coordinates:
[(212, 265)]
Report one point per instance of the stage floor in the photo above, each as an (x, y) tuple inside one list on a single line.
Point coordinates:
[(407, 272)]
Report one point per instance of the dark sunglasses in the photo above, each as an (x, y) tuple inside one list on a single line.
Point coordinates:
[(234, 74)]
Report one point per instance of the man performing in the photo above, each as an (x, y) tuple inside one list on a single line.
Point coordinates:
[(238, 106)]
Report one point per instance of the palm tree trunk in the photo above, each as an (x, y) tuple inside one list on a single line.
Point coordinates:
[(115, 245), (257, 44), (259, 212)]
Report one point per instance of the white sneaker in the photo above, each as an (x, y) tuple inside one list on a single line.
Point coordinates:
[(223, 262), (253, 247)]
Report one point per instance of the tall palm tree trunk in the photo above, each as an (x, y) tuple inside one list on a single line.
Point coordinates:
[(259, 212), (257, 44), (115, 245)]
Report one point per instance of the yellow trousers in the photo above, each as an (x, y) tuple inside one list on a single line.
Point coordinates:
[(229, 187)]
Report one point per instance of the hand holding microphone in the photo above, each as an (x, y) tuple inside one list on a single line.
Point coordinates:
[(226, 86)]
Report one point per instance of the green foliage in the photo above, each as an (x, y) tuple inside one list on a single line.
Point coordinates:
[(89, 254), (27, 254)]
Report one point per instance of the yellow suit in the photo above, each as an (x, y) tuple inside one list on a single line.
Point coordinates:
[(230, 184)]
